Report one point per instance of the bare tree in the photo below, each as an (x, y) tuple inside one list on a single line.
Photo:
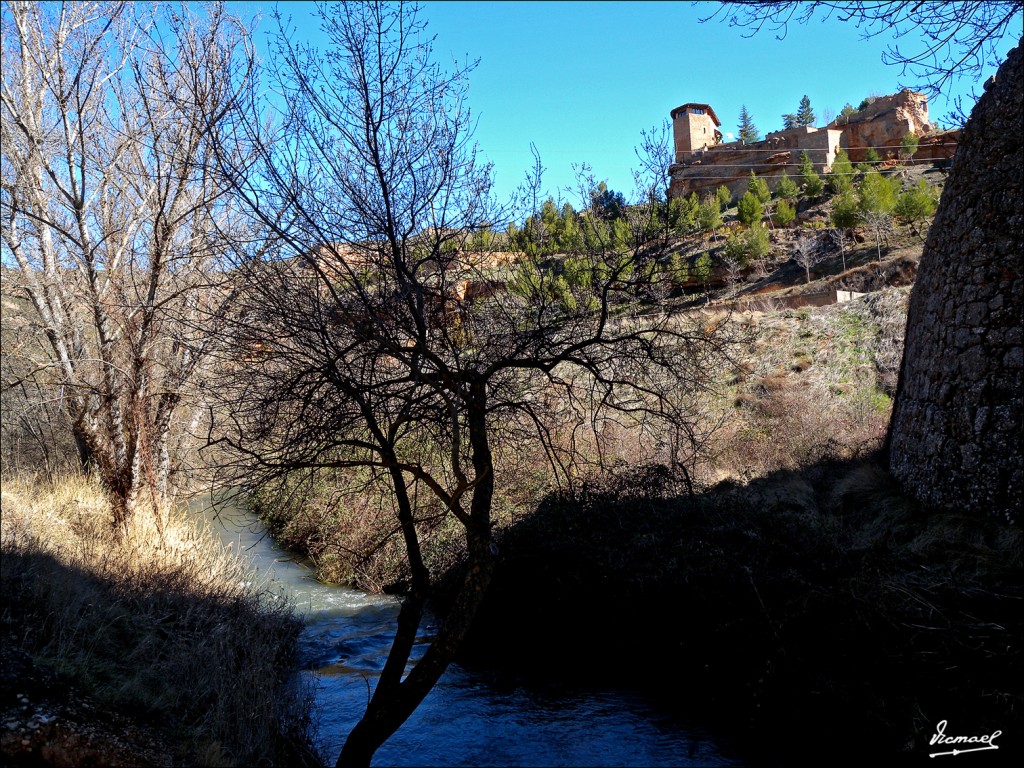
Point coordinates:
[(807, 253), (733, 270), (953, 40), (355, 348), (841, 239), (113, 217), (881, 225)]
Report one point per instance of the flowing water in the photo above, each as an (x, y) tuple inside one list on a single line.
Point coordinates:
[(471, 718)]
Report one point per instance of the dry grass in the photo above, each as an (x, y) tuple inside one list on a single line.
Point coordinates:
[(163, 624)]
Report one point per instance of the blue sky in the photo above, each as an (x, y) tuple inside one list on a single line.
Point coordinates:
[(581, 80)]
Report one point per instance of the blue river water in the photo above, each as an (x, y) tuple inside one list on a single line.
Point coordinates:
[(471, 718)]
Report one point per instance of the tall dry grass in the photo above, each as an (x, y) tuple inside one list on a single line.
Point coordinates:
[(162, 624)]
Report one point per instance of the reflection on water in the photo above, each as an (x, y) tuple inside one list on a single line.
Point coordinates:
[(468, 719)]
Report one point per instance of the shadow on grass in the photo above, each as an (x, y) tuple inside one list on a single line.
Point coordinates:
[(207, 675), (810, 613)]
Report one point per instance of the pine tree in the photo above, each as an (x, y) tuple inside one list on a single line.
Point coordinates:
[(747, 129), (877, 193), (840, 178), (759, 188), (785, 213), (724, 197), (812, 183), (787, 188), (916, 204), (805, 115), (709, 215), (845, 213), (749, 211), (908, 147)]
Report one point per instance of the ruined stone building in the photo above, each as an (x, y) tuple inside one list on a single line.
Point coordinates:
[(703, 163)]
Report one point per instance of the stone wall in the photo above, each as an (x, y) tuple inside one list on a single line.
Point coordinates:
[(958, 418)]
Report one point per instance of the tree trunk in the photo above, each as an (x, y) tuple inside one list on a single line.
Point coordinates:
[(86, 459), (954, 439), (394, 700), (390, 708)]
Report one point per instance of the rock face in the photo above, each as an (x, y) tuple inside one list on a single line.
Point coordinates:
[(883, 124), (955, 436)]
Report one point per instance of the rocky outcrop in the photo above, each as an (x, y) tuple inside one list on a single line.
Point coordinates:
[(955, 436), (883, 123)]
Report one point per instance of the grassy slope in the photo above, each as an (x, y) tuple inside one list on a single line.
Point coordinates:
[(160, 626)]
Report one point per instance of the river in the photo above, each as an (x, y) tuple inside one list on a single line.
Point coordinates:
[(472, 717)]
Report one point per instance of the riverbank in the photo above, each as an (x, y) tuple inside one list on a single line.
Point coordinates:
[(788, 612), (796, 597), (155, 649)]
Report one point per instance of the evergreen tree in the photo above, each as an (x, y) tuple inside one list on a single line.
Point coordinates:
[(845, 113), (916, 204), (812, 183), (788, 121), (679, 270), (724, 197), (877, 193), (702, 270), (759, 188), (750, 209), (709, 215), (608, 203), (805, 115), (908, 147), (747, 129), (787, 188), (744, 247), (785, 213), (871, 158), (840, 178), (682, 214), (845, 214)]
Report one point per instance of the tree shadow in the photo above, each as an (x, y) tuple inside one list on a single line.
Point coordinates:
[(129, 669), (792, 612)]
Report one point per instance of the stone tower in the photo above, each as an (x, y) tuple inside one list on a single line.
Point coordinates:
[(958, 420), (694, 127)]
